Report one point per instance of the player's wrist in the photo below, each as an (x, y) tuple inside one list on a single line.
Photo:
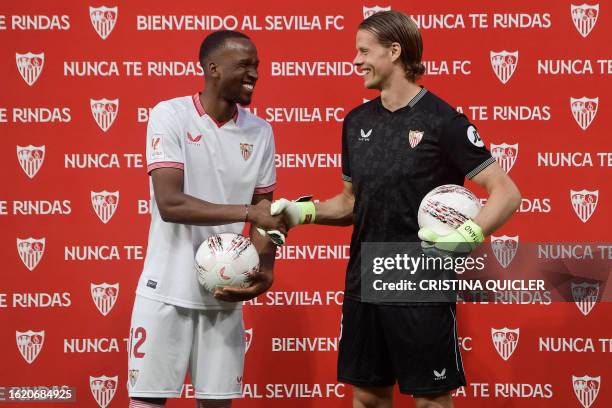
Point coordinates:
[(307, 212), (471, 232)]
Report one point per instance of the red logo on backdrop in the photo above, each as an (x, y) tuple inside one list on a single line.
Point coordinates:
[(505, 154), (414, 137), (103, 20), (584, 203), (586, 389), (248, 337), (30, 66), (505, 341), (31, 251), (29, 344), (585, 296), (584, 18), (103, 389), (246, 150), (370, 11), (504, 64), (30, 159), (104, 296), (104, 111), (584, 110), (105, 204), (504, 248)]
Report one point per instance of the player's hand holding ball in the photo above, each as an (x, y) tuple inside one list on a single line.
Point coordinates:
[(227, 265), (446, 221)]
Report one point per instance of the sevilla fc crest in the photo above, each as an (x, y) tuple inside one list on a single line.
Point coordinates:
[(370, 11), (105, 204), (248, 337), (103, 389), (504, 248), (585, 17), (584, 110), (132, 377), (414, 137), (104, 296), (586, 389), (505, 154), (30, 159), (30, 66), (585, 296), (29, 344), (103, 20), (584, 203), (504, 64), (505, 341), (31, 251), (104, 112), (246, 150)]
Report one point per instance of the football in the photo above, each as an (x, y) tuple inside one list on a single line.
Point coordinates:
[(225, 260), (446, 207)]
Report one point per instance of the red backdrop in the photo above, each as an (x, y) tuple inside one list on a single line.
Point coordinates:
[(77, 83)]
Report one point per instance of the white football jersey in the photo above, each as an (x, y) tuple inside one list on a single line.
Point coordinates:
[(222, 163)]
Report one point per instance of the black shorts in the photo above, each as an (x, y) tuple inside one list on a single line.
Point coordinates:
[(416, 346)]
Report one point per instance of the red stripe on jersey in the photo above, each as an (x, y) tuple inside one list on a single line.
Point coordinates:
[(159, 165)]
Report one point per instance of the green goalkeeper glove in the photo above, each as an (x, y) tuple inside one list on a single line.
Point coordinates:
[(299, 211), (461, 241)]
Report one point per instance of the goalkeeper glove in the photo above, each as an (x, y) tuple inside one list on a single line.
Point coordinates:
[(461, 241), (299, 211)]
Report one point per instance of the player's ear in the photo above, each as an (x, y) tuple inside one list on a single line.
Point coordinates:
[(396, 51), (212, 70)]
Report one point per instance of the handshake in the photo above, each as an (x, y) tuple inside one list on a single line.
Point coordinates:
[(283, 215)]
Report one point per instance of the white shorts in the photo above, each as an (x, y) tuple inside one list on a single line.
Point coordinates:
[(166, 340)]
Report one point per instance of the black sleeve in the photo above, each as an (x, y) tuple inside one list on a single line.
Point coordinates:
[(462, 144), (346, 163)]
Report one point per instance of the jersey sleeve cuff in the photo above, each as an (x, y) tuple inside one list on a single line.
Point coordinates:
[(480, 167), (159, 165), (264, 190)]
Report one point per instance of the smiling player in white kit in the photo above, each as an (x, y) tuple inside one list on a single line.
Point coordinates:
[(211, 164)]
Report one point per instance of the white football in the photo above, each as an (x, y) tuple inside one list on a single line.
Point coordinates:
[(445, 208), (225, 260)]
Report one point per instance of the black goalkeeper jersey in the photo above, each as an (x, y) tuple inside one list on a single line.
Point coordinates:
[(393, 159)]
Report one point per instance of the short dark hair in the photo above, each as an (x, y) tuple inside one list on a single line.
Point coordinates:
[(215, 41), (392, 26)]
